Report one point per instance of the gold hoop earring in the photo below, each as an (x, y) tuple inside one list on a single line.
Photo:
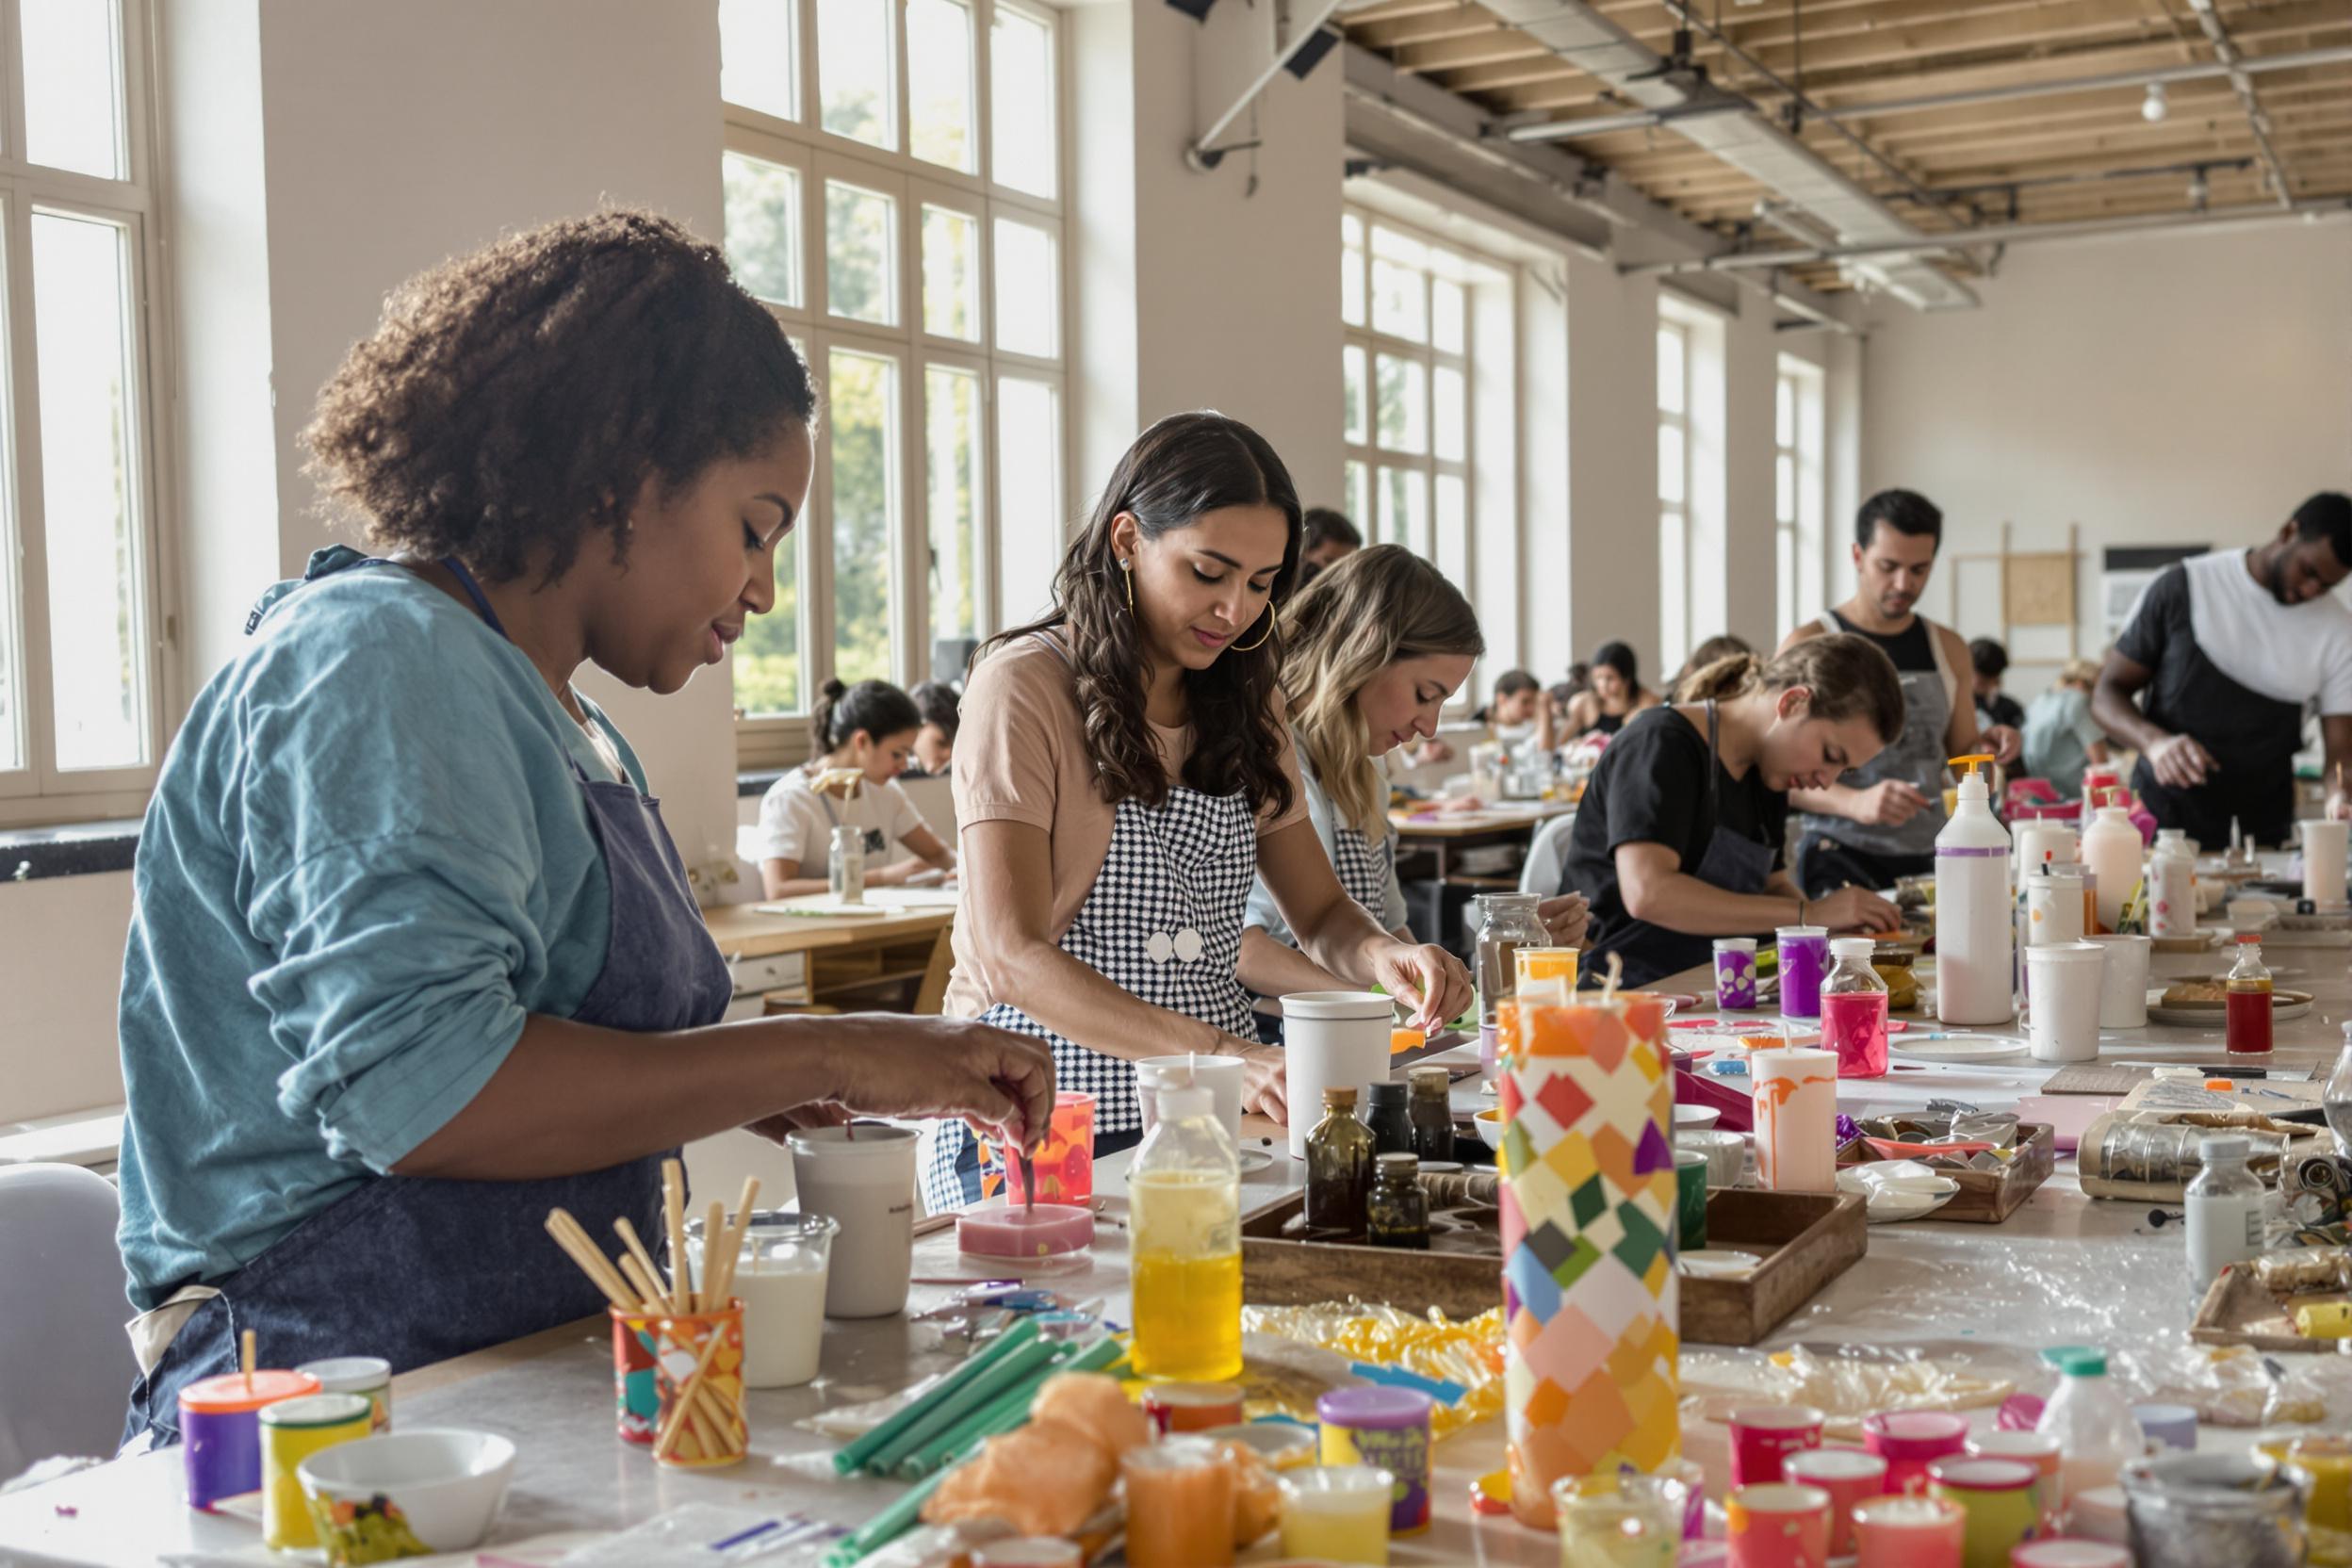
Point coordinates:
[(1247, 647), (1127, 575)]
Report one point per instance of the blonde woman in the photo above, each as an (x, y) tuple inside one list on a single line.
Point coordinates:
[(1372, 649)]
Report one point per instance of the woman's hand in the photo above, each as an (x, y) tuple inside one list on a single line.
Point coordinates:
[(800, 1119), (1265, 1081), (1566, 918), (1000, 1084), (1853, 910), (1426, 978)]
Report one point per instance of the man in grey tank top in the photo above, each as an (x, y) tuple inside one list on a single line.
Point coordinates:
[(1879, 823)]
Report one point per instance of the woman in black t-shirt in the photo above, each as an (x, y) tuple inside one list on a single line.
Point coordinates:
[(1679, 837)]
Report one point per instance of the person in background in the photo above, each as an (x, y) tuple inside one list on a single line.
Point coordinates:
[(1371, 651), (2061, 738), (2228, 648), (1328, 538), (1517, 705), (1879, 823), (1987, 663), (935, 742), (1723, 645), (1679, 837), (863, 735), (1615, 695)]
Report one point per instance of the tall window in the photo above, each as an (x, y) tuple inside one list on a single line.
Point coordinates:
[(894, 193), (1674, 493), (80, 631), (1799, 490), (1407, 374)]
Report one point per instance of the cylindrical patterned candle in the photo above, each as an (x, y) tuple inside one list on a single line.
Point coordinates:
[(1796, 1119), (1908, 1532), (1587, 1222), (1734, 972)]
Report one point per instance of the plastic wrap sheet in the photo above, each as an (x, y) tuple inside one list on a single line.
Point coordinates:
[(1846, 1383), (1468, 1353)]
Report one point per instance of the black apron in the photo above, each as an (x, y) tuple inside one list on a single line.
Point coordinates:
[(417, 1270), (2256, 739)]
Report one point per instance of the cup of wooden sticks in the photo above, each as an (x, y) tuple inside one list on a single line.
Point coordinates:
[(677, 1345)]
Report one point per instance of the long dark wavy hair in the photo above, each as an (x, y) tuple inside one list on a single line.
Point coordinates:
[(1182, 467)]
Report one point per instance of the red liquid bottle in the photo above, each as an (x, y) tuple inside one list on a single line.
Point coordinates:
[(2246, 1002), (1853, 1011)]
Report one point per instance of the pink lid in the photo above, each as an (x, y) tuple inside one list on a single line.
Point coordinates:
[(1983, 1474), (1915, 1433)]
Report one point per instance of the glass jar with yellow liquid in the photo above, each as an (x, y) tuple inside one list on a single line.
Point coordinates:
[(1184, 1199)]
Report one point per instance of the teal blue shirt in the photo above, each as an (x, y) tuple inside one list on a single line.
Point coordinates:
[(366, 859)]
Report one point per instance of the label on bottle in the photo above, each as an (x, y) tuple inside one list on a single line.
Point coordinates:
[(2224, 1229)]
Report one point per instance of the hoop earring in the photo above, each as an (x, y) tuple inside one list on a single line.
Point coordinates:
[(1127, 575), (1247, 647)]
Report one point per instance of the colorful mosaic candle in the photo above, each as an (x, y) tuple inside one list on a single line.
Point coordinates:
[(1064, 1161), (1588, 1231)]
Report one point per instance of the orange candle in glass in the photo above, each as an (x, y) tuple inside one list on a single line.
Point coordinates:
[(1180, 1505)]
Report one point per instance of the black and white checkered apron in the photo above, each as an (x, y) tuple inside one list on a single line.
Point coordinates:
[(1363, 869), (1170, 873)]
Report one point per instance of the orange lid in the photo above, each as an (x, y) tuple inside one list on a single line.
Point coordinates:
[(2221, 1085), (229, 1392)]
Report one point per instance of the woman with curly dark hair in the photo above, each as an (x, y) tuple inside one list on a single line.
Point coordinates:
[(415, 960), (1125, 770)]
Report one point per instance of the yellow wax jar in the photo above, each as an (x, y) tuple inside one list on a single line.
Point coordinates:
[(1547, 974), (2327, 1457), (1338, 1513)]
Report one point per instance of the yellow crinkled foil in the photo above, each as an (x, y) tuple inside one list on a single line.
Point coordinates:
[(1469, 1352)]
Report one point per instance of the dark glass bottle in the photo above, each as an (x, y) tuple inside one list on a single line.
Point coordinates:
[(1397, 1213), (1339, 1168), (1390, 1122), (1432, 1112)]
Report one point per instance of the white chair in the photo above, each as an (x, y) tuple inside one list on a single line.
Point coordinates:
[(1547, 856), (65, 1364)]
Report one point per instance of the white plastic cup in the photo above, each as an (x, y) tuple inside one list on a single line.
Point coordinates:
[(867, 1183), (1220, 1075), (2325, 845), (2123, 981), (2067, 980), (1331, 1039), (1796, 1119)]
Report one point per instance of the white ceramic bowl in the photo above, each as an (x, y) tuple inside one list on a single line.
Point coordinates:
[(1490, 1127), (443, 1487), (1696, 1119)]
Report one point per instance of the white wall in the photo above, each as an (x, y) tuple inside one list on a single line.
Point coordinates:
[(2157, 390)]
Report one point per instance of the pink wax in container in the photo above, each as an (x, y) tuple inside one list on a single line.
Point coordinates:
[(1045, 1236)]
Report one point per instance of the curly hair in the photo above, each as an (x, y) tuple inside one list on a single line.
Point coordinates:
[(1183, 466), (511, 399)]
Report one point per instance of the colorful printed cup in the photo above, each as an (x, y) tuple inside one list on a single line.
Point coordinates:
[(1734, 973), (1778, 1526), (1763, 1436), (1064, 1161), (715, 1433), (1851, 1476), (2002, 1499), (1908, 1532), (1619, 1521), (2040, 1450), (1804, 959), (1690, 1195), (1911, 1440), (636, 1397)]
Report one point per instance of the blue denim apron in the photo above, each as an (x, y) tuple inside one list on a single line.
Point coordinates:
[(417, 1270)]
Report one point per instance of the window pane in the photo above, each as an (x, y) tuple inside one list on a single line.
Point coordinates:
[(13, 750), (763, 228), (951, 438), (1669, 464), (1026, 291), (1359, 487), (1674, 592), (97, 652), (1403, 420), (1785, 577), (1453, 530), (1669, 371), (767, 660), (939, 84), (861, 414), (1396, 303), (1351, 379), (951, 273), (853, 52), (1028, 468), (1448, 319), (860, 245), (73, 86), (1352, 270), (1020, 101), (1784, 414), (1452, 411), (759, 60), (1785, 488), (1405, 509)]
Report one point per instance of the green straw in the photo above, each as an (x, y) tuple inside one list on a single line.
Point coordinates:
[(1003, 1414), (1019, 1371), (849, 1459)]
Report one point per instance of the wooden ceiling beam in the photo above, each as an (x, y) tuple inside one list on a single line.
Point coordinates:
[(1494, 46)]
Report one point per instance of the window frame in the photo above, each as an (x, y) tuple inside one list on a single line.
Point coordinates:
[(774, 739), (39, 792), (1798, 535)]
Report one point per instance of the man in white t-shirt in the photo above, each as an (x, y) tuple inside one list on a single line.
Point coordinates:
[(2229, 650)]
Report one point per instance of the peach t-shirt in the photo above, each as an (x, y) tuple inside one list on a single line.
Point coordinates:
[(1021, 756)]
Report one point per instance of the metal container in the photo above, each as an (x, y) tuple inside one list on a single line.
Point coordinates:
[(2204, 1510)]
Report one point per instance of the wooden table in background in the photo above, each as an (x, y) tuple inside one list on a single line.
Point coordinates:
[(1447, 835), (850, 959)]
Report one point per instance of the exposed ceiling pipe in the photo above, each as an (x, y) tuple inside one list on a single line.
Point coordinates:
[(1203, 153), (1999, 234), (2243, 85), (1571, 130), (2193, 167)]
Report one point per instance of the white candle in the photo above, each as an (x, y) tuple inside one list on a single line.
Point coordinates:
[(1796, 1119)]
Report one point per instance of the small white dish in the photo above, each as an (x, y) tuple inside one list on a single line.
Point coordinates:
[(1896, 1190), (1966, 1048), (442, 1487), (1490, 1127), (1696, 1119)]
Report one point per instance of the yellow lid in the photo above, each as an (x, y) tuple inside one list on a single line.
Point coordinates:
[(1970, 762)]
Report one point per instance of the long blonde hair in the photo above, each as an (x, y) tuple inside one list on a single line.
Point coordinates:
[(1360, 615), (1849, 677)]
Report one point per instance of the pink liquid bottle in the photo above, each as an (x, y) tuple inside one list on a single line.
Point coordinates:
[(1853, 1011)]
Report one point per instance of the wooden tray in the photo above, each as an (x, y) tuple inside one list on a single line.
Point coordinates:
[(1989, 1197), (1806, 1240), (2239, 1308)]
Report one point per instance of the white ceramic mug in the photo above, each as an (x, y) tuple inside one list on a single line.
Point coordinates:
[(867, 1183), (2325, 845), (2066, 980), (2123, 982), (1220, 1075), (1331, 1039), (1726, 1153)]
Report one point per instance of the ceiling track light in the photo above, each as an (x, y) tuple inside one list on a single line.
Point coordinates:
[(2153, 108)]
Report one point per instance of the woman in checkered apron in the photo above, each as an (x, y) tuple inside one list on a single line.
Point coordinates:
[(1148, 696), (1372, 649)]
